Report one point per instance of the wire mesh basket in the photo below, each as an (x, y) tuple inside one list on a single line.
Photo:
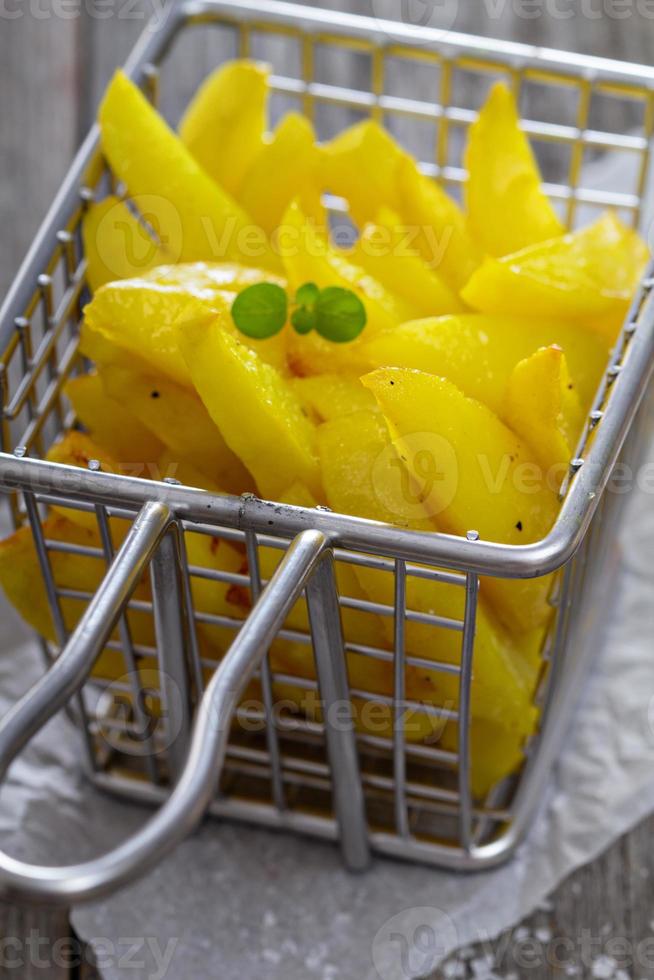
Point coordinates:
[(171, 724)]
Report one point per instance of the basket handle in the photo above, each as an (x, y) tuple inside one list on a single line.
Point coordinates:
[(198, 778)]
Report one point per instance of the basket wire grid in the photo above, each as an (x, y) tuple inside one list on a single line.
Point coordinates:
[(303, 772)]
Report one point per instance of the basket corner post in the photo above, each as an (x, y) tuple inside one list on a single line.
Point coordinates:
[(331, 668)]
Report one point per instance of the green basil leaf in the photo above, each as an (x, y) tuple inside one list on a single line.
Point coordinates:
[(307, 295), (340, 315), (261, 310), (303, 320)]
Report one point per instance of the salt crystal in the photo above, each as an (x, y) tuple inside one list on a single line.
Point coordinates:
[(543, 934), (269, 920), (606, 928), (289, 947), (604, 968), (521, 934), (453, 969), (483, 965), (315, 957)]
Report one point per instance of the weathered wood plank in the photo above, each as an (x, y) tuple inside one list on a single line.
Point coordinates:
[(39, 86), (39, 83), (600, 918), (39, 942)]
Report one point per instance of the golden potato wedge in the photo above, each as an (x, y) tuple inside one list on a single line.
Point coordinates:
[(589, 276), (254, 407), (20, 578), (478, 353), (195, 217), (542, 407), (473, 473), (443, 238), (360, 473), (359, 627), (329, 396), (110, 423), (507, 209), (361, 164), (219, 282), (83, 573), (286, 164), (78, 449), (180, 421), (99, 349), (365, 165), (309, 257), (224, 125), (211, 594), (141, 315), (370, 673), (116, 244), (495, 753), (371, 684), (386, 251)]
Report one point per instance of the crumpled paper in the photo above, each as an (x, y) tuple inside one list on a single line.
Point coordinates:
[(234, 901)]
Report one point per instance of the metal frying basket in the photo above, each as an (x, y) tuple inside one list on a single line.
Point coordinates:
[(314, 774)]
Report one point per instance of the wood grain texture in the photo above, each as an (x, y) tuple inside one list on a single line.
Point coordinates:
[(52, 73), (600, 918), (39, 95), (45, 946)]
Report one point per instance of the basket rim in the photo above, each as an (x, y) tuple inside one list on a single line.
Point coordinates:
[(451, 42), (64, 484)]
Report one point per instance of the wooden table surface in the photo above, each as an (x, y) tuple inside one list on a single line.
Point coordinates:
[(52, 71)]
